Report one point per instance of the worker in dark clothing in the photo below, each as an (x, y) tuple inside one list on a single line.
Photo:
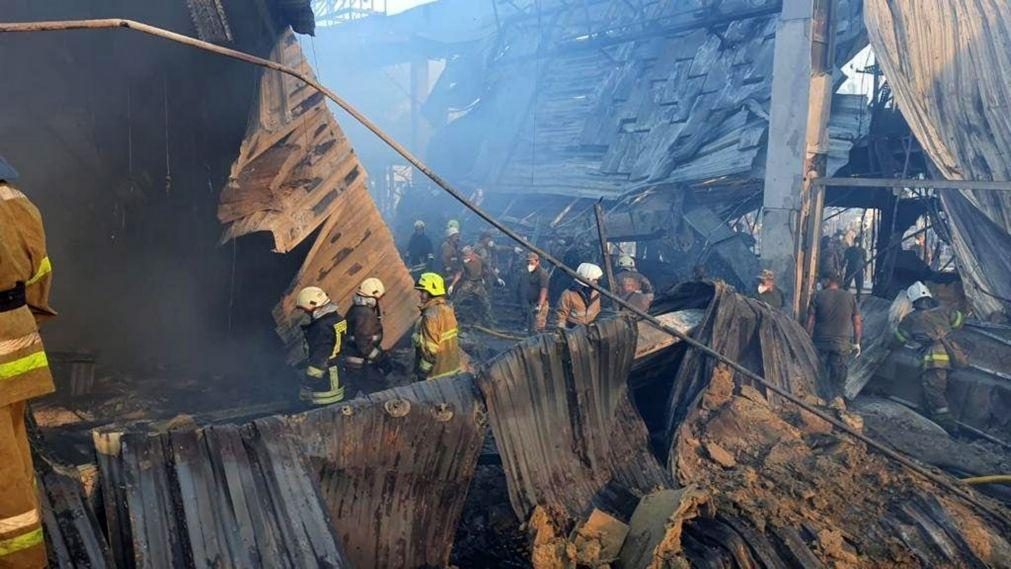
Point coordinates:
[(419, 249), (768, 292), (929, 326), (471, 289), (836, 327), (324, 335), (627, 265), (364, 360), (450, 253), (855, 257), (579, 305), (533, 293), (831, 260), (632, 294)]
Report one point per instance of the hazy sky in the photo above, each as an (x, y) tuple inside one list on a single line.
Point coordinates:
[(395, 6)]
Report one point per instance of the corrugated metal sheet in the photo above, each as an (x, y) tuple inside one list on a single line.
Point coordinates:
[(395, 468), (296, 172), (745, 330), (227, 496), (559, 409), (947, 63), (74, 538), (679, 108)]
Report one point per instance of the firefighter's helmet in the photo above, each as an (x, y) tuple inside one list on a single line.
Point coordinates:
[(626, 262), (311, 298), (371, 288), (918, 290), (431, 283)]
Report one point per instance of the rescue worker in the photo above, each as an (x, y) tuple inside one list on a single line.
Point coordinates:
[(324, 335), (485, 249), (364, 360), (436, 347), (25, 279), (854, 258), (469, 285), (533, 293), (836, 327), (930, 325), (627, 265), (831, 261), (419, 249), (768, 292), (450, 253), (579, 305), (631, 293)]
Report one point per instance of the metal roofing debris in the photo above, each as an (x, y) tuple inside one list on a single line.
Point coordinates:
[(766, 341), (74, 537), (947, 64), (395, 467), (210, 21), (222, 496), (296, 172), (563, 423), (682, 107)]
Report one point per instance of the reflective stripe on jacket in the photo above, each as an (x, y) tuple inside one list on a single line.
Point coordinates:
[(24, 369), (929, 328), (437, 348)]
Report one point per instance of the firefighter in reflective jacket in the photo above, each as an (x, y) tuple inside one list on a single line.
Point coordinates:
[(321, 384), (365, 362), (929, 325), (579, 305), (437, 349), (24, 371)]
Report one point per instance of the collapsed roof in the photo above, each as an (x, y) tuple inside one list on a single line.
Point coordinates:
[(594, 99)]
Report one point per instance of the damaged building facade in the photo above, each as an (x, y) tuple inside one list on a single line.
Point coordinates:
[(198, 195)]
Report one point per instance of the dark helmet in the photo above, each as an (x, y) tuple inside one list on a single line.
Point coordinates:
[(7, 172)]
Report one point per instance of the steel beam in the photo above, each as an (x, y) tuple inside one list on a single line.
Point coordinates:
[(911, 183)]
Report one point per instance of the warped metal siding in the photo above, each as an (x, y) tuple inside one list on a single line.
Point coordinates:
[(395, 468), (559, 409), (297, 172), (224, 496)]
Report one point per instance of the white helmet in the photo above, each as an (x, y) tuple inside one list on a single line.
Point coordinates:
[(918, 290), (311, 298), (451, 231), (626, 262), (419, 224), (589, 272), (371, 288)]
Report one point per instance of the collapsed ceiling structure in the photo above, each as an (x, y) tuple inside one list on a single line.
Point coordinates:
[(608, 456)]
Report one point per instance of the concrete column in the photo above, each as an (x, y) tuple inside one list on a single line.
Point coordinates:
[(798, 145)]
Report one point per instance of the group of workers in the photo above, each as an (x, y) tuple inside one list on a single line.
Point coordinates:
[(835, 325)]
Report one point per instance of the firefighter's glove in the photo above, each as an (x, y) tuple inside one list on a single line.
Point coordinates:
[(856, 350), (500, 282)]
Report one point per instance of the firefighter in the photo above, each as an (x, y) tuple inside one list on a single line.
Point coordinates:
[(450, 252), (533, 293), (437, 349), (930, 325), (627, 265), (324, 334), (419, 249), (579, 305), (364, 360), (25, 279), (469, 285)]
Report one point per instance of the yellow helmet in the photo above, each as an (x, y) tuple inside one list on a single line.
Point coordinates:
[(431, 283), (311, 298), (371, 288)]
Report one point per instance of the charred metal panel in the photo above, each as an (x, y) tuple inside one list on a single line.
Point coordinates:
[(559, 409), (297, 172), (395, 467), (748, 331), (210, 21), (74, 537), (227, 496)]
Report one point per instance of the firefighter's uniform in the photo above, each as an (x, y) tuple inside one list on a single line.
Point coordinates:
[(25, 277), (437, 348), (364, 353), (930, 329), (324, 335), (578, 306)]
